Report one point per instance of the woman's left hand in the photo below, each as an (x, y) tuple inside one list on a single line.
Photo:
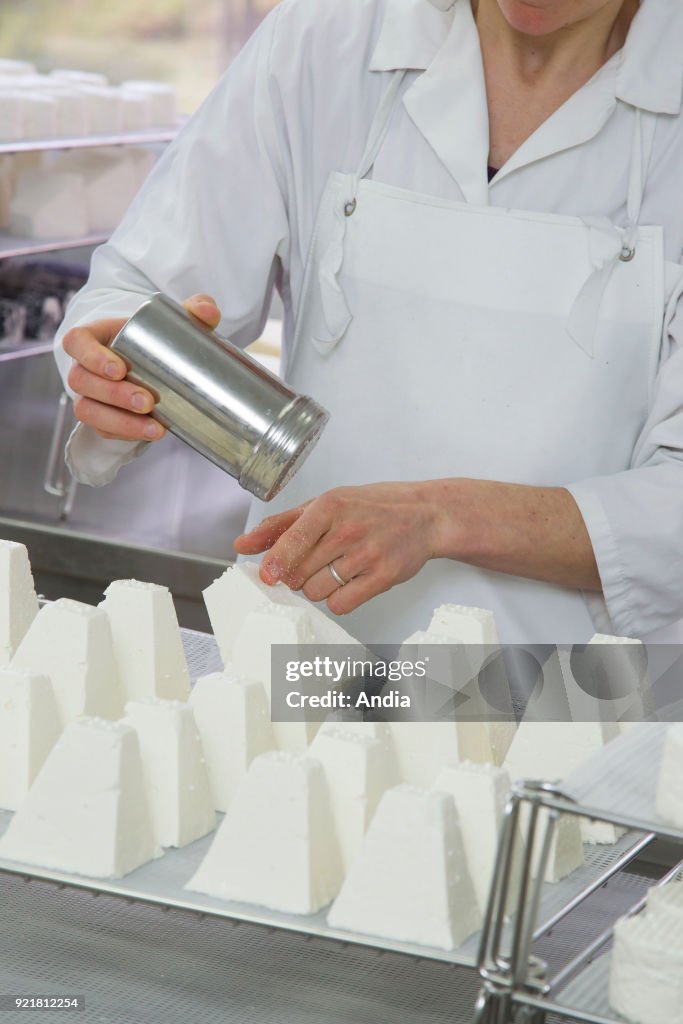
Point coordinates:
[(375, 536)]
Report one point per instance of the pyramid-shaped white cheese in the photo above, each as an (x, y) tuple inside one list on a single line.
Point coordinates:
[(38, 115), (29, 728), (71, 111), (358, 773), (410, 881), (423, 748), (161, 97), (276, 624), (71, 643), (553, 750), (646, 971), (276, 846), (234, 725), (105, 108), (79, 77), (18, 601), (667, 901), (369, 730), (176, 779), (136, 111), (11, 123), (240, 590), (455, 666), (147, 641), (670, 782), (566, 849), (110, 183), (480, 793), (48, 206), (87, 811), (465, 625), (626, 665)]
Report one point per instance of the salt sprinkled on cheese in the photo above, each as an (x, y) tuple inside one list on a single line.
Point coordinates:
[(86, 812), (277, 624), (422, 748), (234, 725), (358, 773), (465, 625), (410, 881), (176, 779), (240, 591), (670, 782), (276, 846), (147, 641), (71, 643), (29, 728), (18, 601), (480, 793)]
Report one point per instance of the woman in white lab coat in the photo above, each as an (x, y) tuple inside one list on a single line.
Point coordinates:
[(473, 212)]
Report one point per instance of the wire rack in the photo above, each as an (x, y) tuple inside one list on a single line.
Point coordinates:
[(516, 980)]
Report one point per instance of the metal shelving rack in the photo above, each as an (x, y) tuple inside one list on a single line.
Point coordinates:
[(516, 984), (12, 246)]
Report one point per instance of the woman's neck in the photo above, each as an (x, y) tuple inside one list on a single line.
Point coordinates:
[(529, 77), (577, 48)]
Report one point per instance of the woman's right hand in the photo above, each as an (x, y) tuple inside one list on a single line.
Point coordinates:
[(111, 405)]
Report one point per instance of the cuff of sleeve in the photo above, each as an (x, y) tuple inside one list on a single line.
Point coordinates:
[(95, 461), (615, 586)]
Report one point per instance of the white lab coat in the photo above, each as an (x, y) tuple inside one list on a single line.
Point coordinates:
[(231, 206)]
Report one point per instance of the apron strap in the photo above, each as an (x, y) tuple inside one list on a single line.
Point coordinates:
[(336, 312), (613, 244)]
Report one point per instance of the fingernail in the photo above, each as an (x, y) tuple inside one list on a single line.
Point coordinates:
[(206, 311), (152, 431), (139, 402), (274, 568), (112, 369)]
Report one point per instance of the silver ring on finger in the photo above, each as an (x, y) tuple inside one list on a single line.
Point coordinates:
[(335, 575)]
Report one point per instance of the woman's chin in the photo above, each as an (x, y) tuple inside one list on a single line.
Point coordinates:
[(533, 19)]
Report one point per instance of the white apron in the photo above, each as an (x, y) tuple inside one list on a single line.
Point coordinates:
[(451, 340)]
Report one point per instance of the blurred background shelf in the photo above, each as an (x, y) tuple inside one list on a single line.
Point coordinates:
[(147, 138), (12, 246)]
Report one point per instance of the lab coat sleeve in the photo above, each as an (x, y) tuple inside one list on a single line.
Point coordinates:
[(635, 518), (212, 218)]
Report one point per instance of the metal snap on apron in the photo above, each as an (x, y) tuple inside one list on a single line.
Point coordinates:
[(451, 340)]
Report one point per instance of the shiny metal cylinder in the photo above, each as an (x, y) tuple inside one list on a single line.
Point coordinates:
[(216, 398)]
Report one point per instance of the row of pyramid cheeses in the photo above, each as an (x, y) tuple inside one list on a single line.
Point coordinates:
[(66, 104), (646, 970), (72, 193), (99, 658), (399, 861)]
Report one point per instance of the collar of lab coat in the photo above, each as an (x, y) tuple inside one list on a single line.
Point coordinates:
[(650, 74), (448, 102)]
